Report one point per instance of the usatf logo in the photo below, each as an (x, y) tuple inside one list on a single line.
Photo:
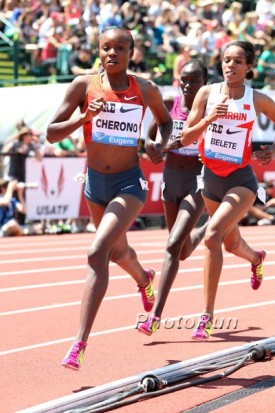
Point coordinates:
[(48, 190)]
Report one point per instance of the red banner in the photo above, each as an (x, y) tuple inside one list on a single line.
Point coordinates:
[(59, 195)]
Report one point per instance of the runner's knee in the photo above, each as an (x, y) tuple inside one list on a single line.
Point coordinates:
[(119, 255), (98, 256), (212, 239)]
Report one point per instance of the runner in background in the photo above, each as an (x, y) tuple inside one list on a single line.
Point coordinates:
[(112, 107), (224, 115), (182, 200)]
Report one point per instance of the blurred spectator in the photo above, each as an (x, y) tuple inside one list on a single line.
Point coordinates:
[(184, 55), (269, 82), (64, 148), (11, 12), (20, 124), (250, 30), (223, 37), (154, 8), (112, 18), (266, 63), (232, 14), (46, 28), (49, 22), (146, 30), (208, 42), (167, 29), (82, 62), (132, 13), (49, 53), (92, 38), (234, 28), (91, 9), (27, 35), (248, 5), (219, 10), (265, 13), (79, 33), (205, 11), (182, 19), (194, 34), (137, 64), (25, 145), (73, 10), (9, 207)]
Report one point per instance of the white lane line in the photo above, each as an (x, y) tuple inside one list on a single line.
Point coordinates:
[(119, 297), (58, 284), (159, 243), (117, 330), (158, 260), (42, 270), (80, 248), (70, 257), (134, 238), (81, 267)]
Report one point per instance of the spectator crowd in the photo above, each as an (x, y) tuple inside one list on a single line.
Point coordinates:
[(60, 37)]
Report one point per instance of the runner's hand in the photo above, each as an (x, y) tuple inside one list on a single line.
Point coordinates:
[(173, 144), (95, 107), (154, 153), (264, 155)]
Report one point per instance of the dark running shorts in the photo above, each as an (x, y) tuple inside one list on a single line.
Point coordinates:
[(102, 188), (177, 184), (215, 187)]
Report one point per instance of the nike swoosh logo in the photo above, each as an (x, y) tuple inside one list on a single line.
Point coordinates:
[(126, 187), (123, 110), (231, 132), (131, 98)]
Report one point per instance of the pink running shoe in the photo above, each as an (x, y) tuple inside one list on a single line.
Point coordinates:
[(150, 326), (204, 329), (257, 271), (74, 357), (147, 292)]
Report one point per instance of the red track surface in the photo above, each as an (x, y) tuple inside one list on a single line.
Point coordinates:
[(41, 284)]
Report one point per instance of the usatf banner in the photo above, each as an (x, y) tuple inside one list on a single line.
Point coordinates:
[(59, 192), (60, 187)]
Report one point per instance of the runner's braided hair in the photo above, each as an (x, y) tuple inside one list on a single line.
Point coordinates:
[(122, 29)]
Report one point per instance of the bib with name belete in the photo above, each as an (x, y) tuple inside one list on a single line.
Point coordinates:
[(227, 142)]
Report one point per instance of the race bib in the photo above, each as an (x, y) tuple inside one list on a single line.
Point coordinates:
[(228, 148), (118, 124)]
